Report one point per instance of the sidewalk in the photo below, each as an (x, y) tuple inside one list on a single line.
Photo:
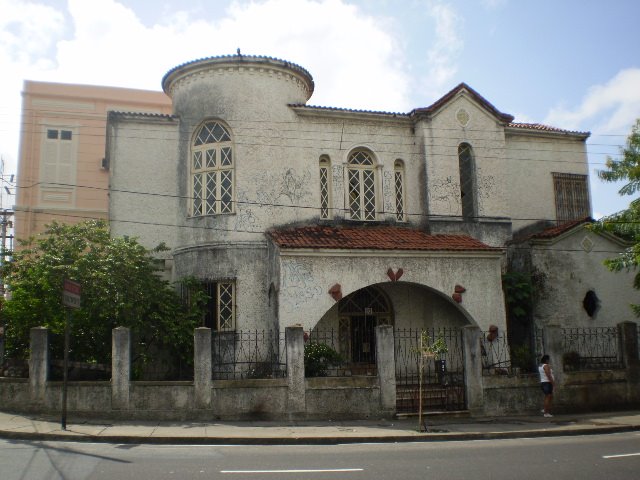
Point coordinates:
[(440, 428)]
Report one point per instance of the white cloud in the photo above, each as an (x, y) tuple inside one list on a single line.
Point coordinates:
[(609, 108), (443, 54), (353, 57)]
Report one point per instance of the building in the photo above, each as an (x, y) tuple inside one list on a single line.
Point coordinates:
[(61, 170), (337, 218)]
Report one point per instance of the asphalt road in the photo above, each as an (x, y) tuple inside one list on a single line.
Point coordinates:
[(598, 457)]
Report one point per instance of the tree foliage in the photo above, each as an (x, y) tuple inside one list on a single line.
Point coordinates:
[(625, 223), (120, 287)]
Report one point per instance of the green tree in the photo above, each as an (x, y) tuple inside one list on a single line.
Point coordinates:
[(120, 287), (625, 223)]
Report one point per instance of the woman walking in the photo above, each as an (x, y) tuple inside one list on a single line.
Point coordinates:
[(547, 382)]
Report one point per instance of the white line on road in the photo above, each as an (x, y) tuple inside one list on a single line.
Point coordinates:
[(622, 455), (331, 470)]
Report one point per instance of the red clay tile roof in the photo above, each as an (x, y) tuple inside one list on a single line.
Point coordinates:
[(373, 238), (545, 128), (553, 232)]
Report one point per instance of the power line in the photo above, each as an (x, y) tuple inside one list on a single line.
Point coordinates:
[(263, 232)]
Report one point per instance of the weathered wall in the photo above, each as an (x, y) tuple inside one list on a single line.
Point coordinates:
[(443, 134), (305, 281), (567, 269), (332, 398), (532, 157), (243, 262), (144, 195)]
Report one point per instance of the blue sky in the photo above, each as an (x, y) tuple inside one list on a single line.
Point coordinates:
[(573, 64)]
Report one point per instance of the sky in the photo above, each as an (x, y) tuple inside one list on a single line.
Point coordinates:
[(572, 64)]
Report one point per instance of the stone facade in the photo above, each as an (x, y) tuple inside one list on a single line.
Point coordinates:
[(459, 167)]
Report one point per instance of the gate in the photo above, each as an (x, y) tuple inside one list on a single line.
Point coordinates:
[(442, 389)]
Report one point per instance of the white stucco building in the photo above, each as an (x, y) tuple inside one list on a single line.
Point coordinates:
[(331, 217)]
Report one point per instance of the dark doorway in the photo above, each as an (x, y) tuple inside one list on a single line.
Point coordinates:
[(363, 339)]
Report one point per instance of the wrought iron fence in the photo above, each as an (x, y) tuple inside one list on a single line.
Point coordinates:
[(247, 354), (496, 357), (595, 348), (443, 384), (500, 357)]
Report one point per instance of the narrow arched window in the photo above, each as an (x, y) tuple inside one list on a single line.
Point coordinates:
[(212, 170), (467, 181), (398, 178), (362, 185), (325, 187)]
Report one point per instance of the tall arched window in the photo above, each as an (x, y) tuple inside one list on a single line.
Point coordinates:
[(325, 187), (398, 179), (362, 185), (211, 170), (467, 182)]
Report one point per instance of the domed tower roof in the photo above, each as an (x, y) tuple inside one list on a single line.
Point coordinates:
[(256, 63)]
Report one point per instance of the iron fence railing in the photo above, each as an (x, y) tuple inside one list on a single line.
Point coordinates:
[(594, 348), (340, 352), (442, 375), (407, 352), (245, 354)]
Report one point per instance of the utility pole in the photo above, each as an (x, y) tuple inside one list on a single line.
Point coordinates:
[(4, 223)]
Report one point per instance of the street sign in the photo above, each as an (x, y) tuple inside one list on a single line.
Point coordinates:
[(71, 294)]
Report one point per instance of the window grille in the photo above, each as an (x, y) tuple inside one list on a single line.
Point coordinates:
[(325, 192), (399, 189), (220, 310), (212, 171), (362, 186), (572, 197)]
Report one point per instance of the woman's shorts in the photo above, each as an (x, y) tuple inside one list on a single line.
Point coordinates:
[(547, 388)]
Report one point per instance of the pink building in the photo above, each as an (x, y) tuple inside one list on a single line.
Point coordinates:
[(61, 173)]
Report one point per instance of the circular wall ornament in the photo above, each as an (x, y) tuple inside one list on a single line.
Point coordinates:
[(463, 117)]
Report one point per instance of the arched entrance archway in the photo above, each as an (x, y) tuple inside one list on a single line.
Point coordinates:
[(359, 314)]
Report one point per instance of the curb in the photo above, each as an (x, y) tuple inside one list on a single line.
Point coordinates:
[(427, 437)]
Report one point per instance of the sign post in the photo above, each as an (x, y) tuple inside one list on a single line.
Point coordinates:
[(70, 299)]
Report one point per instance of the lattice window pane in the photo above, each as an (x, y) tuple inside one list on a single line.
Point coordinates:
[(226, 159), (211, 158), (197, 194), (212, 132), (211, 193), (197, 160), (225, 306), (369, 195), (354, 194), (360, 158), (226, 191), (219, 133), (399, 184), (324, 192)]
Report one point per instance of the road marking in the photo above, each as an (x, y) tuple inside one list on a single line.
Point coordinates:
[(330, 470), (622, 455)]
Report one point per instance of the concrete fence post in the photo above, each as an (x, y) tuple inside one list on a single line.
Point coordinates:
[(629, 343), (296, 399), (629, 354), (120, 367), (386, 365), (473, 368), (38, 364), (202, 367)]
